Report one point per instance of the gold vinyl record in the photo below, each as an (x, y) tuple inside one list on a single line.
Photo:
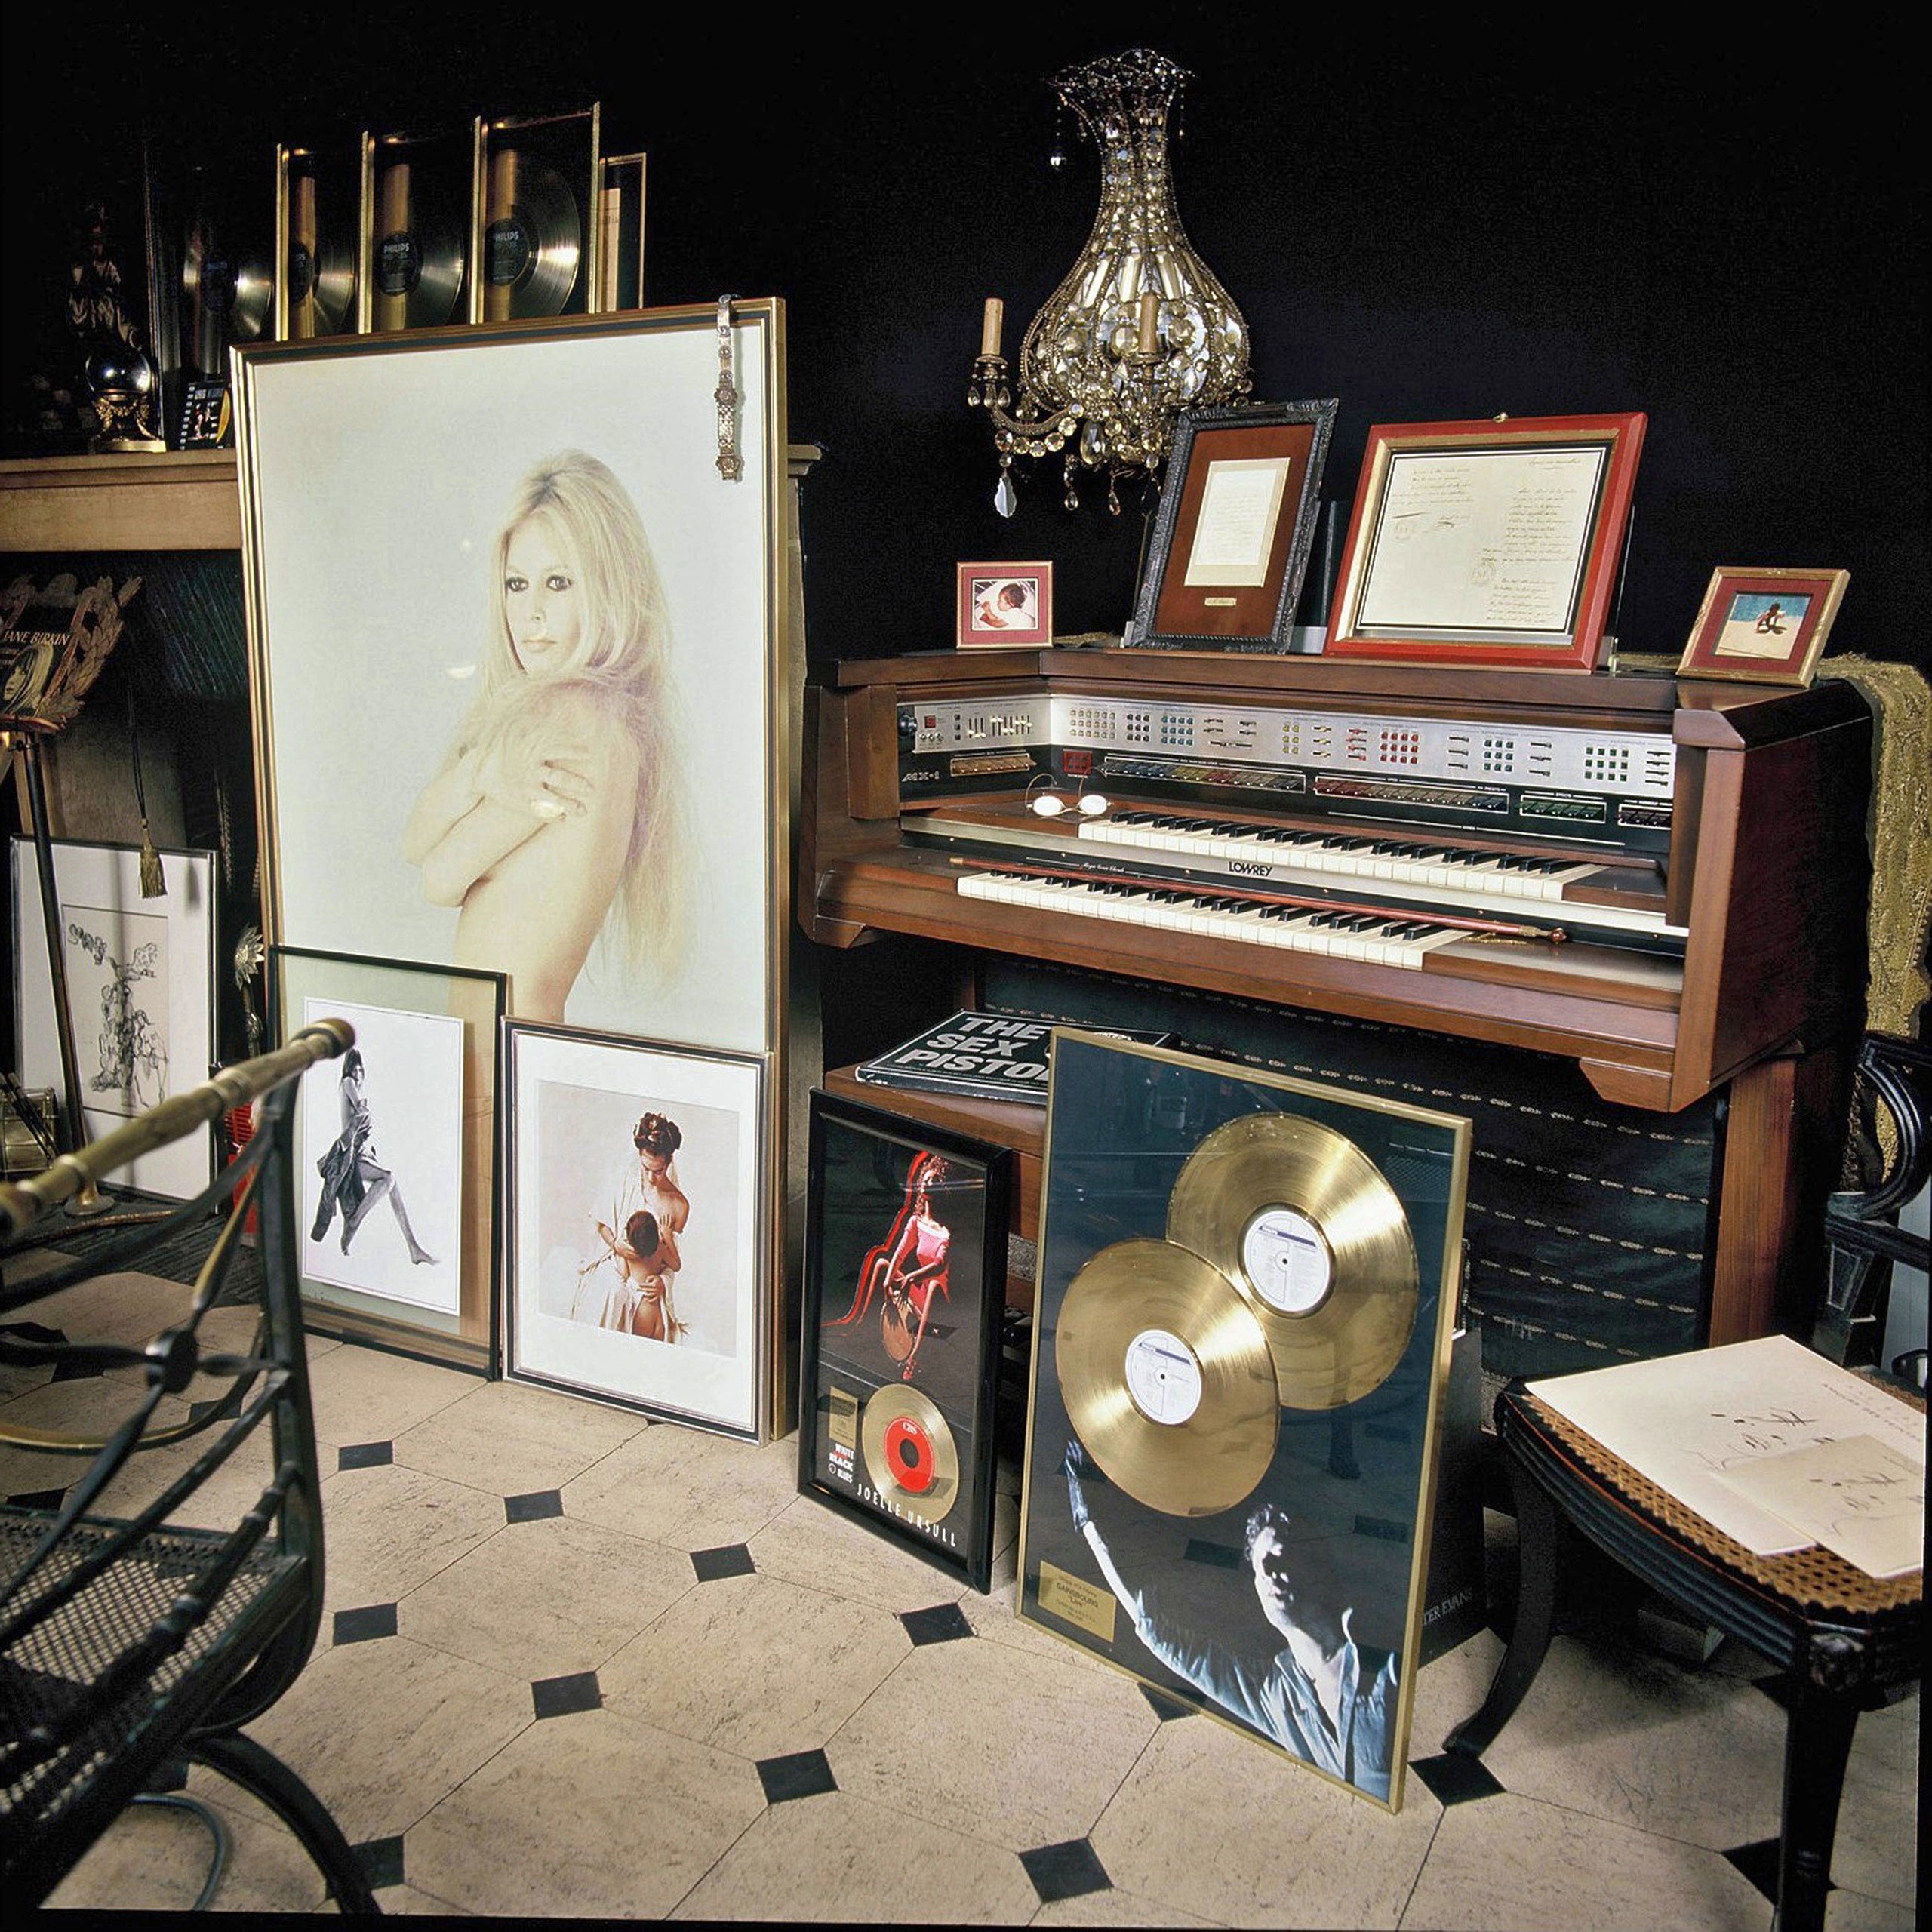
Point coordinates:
[(1166, 1376), (534, 244), (1304, 1225), (416, 263), (910, 1454)]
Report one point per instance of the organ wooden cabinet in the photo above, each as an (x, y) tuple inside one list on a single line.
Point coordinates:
[(1619, 918)]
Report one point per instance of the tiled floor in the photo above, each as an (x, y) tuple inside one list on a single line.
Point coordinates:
[(573, 1664)]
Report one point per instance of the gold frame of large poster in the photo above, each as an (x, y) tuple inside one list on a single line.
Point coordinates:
[(432, 725), (1242, 1332)]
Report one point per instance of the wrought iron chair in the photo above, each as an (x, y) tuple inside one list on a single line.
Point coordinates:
[(1891, 1137), (132, 1642)]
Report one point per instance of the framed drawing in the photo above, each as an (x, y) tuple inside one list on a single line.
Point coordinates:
[(1232, 538), (1241, 1338), (1494, 543), (1767, 627), (1002, 605), (141, 989), (640, 1212), (505, 637), (396, 1148), (906, 1230)]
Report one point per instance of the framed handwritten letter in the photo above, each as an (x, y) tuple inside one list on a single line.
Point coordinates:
[(1486, 543), (1231, 542)]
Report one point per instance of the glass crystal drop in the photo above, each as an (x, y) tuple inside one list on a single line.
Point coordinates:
[(1006, 499)]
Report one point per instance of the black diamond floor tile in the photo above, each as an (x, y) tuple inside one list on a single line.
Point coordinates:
[(802, 1774), (1069, 1870), (1165, 1708), (39, 1498), (381, 1861), (365, 1455), (365, 1624), (730, 1559), (560, 1697), (534, 1507), (942, 1623), (74, 1371), (1456, 1778), (1758, 1862)]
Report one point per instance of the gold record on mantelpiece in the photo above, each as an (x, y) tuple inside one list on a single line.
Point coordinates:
[(534, 224)]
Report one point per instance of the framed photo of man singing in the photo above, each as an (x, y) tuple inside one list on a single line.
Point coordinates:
[(1241, 1336)]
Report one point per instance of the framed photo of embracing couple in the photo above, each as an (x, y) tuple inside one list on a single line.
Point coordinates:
[(640, 1207), (511, 626)]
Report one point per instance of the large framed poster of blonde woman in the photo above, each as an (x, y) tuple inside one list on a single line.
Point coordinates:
[(395, 1145), (639, 1220), (519, 660)]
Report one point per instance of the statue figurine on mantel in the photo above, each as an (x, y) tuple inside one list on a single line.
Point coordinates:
[(117, 376)]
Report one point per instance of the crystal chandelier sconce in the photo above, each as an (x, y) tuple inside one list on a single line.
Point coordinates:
[(1140, 329)]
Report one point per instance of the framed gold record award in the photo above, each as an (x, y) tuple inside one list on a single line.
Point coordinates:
[(317, 207), (535, 231), (1244, 1308), (412, 271), (905, 1233)]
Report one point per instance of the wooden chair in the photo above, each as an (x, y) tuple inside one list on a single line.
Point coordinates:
[(129, 1643)]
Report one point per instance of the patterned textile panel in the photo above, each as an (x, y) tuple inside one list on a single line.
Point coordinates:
[(1586, 1222)]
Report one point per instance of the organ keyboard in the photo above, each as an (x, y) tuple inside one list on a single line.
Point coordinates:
[(1661, 882)]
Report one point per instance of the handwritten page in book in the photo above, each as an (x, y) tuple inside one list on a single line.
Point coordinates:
[(1857, 1496), (1684, 1420)]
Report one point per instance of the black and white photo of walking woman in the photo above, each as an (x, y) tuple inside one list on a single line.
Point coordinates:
[(382, 1156), (354, 1181)]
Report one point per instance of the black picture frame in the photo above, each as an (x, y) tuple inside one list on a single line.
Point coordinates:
[(1182, 604), (865, 1166), (464, 1337)]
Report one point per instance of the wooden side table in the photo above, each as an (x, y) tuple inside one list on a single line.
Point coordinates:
[(1844, 1642)]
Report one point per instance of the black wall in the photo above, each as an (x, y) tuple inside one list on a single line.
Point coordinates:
[(1430, 217)]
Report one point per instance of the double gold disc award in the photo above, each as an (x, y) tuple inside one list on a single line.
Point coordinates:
[(1305, 1226), (1167, 1378)]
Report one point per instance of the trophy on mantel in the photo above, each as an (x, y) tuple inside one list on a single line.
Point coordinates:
[(117, 374)]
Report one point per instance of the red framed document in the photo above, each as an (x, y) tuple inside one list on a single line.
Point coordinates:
[(1495, 542)]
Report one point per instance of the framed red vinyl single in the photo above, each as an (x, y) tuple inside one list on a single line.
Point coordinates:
[(1496, 543)]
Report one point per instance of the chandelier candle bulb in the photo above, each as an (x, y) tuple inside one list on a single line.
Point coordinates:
[(993, 326)]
